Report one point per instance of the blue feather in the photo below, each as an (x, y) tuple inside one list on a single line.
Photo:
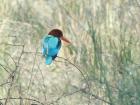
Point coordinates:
[(50, 48)]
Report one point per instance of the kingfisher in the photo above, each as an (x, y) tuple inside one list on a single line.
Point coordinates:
[(51, 44)]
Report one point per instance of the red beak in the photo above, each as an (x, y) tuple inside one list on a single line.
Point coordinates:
[(65, 39)]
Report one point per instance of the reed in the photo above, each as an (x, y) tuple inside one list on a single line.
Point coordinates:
[(105, 49)]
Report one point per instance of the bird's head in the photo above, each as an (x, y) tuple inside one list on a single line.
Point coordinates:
[(59, 34)]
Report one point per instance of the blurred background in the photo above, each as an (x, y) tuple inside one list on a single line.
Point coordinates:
[(100, 67)]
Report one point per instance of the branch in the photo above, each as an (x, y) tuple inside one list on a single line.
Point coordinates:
[(4, 83), (19, 98), (80, 72), (13, 76)]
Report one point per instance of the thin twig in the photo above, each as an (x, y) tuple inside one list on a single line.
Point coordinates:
[(64, 95), (32, 69), (43, 82), (80, 72), (4, 68), (4, 83), (18, 98), (13, 76)]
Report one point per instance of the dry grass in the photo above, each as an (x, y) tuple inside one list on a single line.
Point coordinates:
[(105, 48)]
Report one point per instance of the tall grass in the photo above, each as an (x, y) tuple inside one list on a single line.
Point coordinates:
[(105, 47)]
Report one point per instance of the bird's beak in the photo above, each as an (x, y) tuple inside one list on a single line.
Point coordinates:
[(65, 39)]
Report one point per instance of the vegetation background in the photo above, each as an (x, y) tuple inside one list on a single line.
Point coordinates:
[(100, 67)]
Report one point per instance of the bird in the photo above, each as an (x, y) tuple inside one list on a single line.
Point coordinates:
[(51, 44)]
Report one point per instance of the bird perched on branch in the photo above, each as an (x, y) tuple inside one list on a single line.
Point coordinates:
[(51, 44)]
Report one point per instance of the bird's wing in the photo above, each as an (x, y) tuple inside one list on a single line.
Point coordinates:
[(51, 45), (45, 45)]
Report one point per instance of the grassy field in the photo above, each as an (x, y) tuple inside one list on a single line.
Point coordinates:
[(100, 67)]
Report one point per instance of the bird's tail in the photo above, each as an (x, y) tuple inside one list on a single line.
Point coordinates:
[(49, 60)]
